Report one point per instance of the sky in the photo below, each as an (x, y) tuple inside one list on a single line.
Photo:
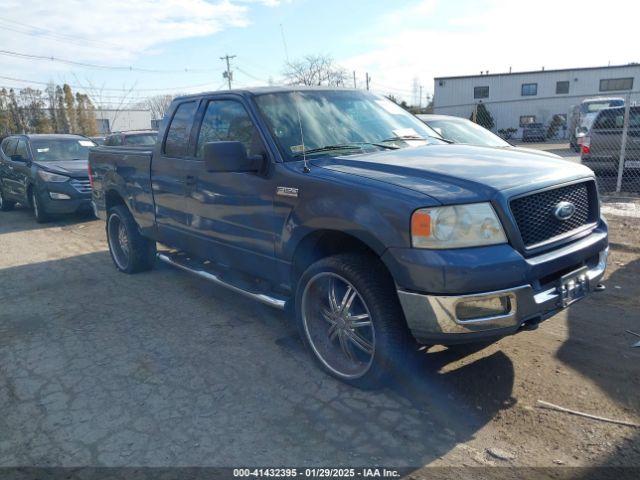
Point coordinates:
[(174, 46)]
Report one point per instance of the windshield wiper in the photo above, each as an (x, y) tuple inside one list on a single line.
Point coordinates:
[(346, 146), (415, 137)]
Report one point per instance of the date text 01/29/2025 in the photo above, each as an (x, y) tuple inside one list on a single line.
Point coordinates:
[(315, 473)]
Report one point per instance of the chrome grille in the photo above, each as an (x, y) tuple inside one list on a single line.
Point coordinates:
[(82, 185), (534, 214)]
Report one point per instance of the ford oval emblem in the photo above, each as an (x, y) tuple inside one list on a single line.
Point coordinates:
[(564, 210)]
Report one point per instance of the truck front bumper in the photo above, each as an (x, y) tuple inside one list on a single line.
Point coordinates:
[(465, 295), (435, 318)]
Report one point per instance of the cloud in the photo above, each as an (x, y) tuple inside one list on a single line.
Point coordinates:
[(502, 35), (114, 31)]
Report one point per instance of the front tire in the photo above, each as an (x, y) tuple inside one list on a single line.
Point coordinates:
[(38, 208), (350, 319), (130, 251)]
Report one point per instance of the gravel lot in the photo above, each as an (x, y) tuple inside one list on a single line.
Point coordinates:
[(162, 369)]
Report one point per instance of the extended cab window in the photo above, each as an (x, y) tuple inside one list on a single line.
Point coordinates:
[(177, 142), (227, 120)]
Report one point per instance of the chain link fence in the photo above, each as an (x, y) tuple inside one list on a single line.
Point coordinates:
[(601, 132)]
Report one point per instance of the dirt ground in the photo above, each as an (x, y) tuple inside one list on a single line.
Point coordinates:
[(100, 368)]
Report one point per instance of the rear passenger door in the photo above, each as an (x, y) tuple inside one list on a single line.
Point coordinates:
[(170, 175), (22, 170)]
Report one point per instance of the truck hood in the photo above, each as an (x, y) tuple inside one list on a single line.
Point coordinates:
[(73, 168), (458, 173)]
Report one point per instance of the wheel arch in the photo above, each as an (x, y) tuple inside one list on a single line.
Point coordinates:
[(323, 243)]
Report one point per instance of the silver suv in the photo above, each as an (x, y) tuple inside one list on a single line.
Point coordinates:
[(601, 147)]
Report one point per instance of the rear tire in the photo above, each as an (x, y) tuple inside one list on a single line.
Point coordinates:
[(349, 317), (130, 251), (38, 208), (5, 205)]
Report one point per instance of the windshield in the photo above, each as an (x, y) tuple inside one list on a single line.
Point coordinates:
[(596, 106), (141, 139), (57, 149), (466, 132), (348, 121)]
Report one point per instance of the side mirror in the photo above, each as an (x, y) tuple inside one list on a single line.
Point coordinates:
[(230, 157)]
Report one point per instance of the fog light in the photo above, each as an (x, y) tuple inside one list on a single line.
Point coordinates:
[(482, 308), (59, 196)]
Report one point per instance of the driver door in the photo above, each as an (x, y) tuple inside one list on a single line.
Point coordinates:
[(231, 213)]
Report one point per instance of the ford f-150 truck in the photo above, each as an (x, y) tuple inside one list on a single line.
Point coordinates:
[(342, 208)]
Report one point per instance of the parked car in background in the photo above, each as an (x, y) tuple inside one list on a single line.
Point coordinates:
[(581, 117), (131, 138), (461, 130), (533, 132), (98, 140), (46, 172), (340, 207), (601, 148)]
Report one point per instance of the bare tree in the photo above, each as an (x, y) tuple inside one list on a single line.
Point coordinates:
[(315, 70), (157, 105)]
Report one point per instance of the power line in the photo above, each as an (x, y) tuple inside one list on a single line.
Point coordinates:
[(250, 75), (99, 67), (29, 30)]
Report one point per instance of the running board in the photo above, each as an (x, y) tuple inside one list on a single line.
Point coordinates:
[(212, 277)]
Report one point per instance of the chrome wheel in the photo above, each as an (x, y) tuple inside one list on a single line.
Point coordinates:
[(118, 241), (338, 325)]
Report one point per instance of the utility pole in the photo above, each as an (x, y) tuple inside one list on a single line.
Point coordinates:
[(228, 74), (354, 79), (420, 102), (368, 78)]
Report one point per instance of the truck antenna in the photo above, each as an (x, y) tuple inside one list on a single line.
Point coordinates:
[(306, 168)]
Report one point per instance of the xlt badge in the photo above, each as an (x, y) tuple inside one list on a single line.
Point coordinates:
[(287, 192)]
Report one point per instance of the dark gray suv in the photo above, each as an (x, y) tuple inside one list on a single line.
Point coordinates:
[(46, 172)]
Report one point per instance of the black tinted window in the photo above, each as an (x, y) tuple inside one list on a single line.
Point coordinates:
[(177, 142), (226, 120), (480, 92), (9, 146), (529, 89), (562, 87)]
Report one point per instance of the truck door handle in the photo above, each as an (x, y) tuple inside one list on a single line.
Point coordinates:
[(190, 180)]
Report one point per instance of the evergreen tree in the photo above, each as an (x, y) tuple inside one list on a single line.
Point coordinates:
[(86, 116), (61, 117), (69, 106), (53, 114), (482, 116)]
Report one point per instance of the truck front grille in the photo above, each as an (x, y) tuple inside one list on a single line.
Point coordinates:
[(82, 185), (536, 220)]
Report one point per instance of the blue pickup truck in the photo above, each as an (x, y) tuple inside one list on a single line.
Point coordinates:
[(350, 213)]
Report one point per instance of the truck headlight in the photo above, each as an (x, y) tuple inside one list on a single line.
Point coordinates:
[(51, 177), (456, 226)]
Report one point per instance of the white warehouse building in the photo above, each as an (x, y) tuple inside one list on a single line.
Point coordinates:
[(112, 120), (515, 99)]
